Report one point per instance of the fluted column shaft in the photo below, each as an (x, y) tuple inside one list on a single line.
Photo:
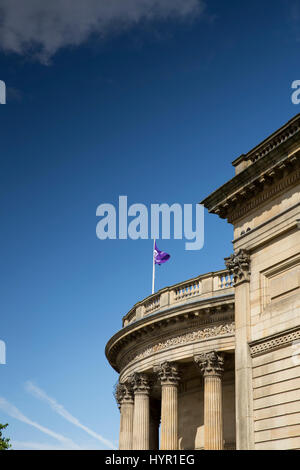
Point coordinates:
[(168, 375), (124, 397), (213, 416), (126, 426), (141, 412), (212, 367), (169, 418)]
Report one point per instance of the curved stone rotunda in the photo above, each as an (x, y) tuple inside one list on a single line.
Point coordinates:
[(214, 362)]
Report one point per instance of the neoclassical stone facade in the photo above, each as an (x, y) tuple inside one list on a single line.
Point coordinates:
[(214, 362)]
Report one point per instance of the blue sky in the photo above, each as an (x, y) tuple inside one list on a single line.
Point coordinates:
[(152, 106)]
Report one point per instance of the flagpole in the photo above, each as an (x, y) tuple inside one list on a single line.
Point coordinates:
[(153, 269)]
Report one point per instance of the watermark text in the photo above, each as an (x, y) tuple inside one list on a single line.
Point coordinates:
[(2, 352), (2, 92), (136, 223)]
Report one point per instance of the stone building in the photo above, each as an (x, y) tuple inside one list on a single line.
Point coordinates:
[(214, 362)]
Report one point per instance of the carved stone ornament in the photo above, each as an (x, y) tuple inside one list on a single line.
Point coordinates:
[(168, 373), (210, 364), (124, 392), (178, 340), (238, 264), (140, 383)]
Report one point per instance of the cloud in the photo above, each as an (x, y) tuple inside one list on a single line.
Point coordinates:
[(31, 445), (42, 28), (59, 409), (15, 413), (19, 445)]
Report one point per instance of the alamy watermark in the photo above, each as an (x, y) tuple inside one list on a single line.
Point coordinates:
[(2, 343), (2, 92), (296, 94), (137, 222), (2, 352)]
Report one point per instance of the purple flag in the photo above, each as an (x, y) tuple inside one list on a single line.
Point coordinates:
[(160, 257)]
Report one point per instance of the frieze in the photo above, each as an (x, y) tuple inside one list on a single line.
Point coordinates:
[(264, 196), (178, 340)]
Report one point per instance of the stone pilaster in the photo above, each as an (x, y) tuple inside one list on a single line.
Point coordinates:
[(212, 367), (169, 378), (124, 397), (141, 388), (238, 264)]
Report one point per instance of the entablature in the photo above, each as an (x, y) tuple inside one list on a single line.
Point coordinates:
[(270, 173), (176, 321)]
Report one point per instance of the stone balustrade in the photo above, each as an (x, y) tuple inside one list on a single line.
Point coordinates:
[(204, 286)]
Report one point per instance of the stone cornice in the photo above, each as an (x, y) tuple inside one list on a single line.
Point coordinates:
[(235, 198), (276, 341), (204, 311), (285, 132), (271, 190)]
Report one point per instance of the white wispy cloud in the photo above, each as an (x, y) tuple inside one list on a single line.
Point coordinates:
[(32, 445), (42, 28), (59, 409), (20, 445), (15, 413)]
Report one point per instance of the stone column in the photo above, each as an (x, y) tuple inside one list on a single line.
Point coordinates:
[(238, 264), (212, 367), (169, 378), (141, 389), (124, 397)]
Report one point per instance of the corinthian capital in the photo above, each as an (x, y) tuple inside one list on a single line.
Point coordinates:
[(238, 264), (210, 364), (124, 392), (140, 383), (168, 373)]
